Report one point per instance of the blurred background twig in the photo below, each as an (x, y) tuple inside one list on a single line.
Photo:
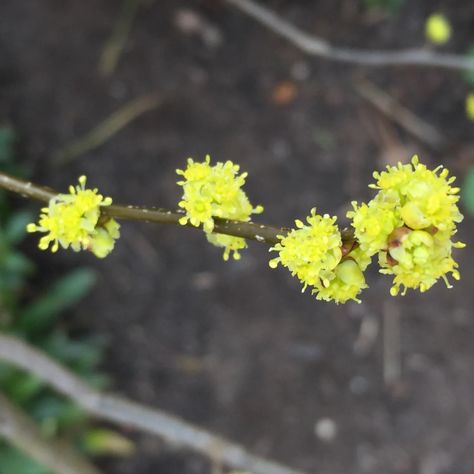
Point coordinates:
[(317, 46), (124, 412)]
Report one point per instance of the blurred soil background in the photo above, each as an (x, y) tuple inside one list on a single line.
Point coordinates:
[(382, 387)]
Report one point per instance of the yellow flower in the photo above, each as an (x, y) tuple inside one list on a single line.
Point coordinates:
[(417, 259), (103, 240), (410, 224), (72, 220), (470, 106), (311, 252), (426, 198), (437, 29), (215, 191), (360, 256), (229, 243), (345, 283), (375, 221)]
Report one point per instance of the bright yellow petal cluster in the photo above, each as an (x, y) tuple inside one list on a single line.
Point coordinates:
[(417, 259), (410, 224), (73, 220), (211, 191), (426, 197), (375, 221), (345, 284), (313, 254), (437, 29)]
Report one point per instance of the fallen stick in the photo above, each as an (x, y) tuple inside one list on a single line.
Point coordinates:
[(124, 412)]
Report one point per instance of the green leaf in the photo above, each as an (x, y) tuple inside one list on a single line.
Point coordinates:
[(66, 292), (13, 461), (9, 282), (15, 229), (469, 75), (467, 195), (83, 356), (17, 263), (101, 441), (5, 372), (57, 414), (22, 387)]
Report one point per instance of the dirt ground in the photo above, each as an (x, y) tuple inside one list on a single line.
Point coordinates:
[(235, 347)]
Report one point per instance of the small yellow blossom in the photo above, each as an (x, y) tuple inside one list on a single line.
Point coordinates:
[(104, 237), (437, 29), (311, 252), (470, 106), (72, 220), (229, 243), (345, 283), (360, 256), (426, 198), (211, 191), (375, 221), (418, 259)]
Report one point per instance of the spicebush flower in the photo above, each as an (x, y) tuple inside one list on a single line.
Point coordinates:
[(211, 191), (72, 220), (410, 224), (229, 243), (426, 197), (312, 252), (345, 283), (375, 221), (418, 259)]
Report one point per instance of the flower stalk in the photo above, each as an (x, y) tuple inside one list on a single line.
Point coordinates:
[(262, 233), (409, 225)]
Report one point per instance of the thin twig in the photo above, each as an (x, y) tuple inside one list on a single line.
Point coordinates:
[(21, 431), (107, 129), (400, 114), (317, 46), (128, 413), (247, 230), (116, 43)]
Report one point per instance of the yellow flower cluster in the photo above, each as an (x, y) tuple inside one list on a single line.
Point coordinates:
[(215, 191), (410, 224), (373, 222), (73, 220), (418, 259), (313, 253)]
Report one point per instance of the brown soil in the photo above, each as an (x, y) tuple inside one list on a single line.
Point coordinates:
[(236, 347)]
